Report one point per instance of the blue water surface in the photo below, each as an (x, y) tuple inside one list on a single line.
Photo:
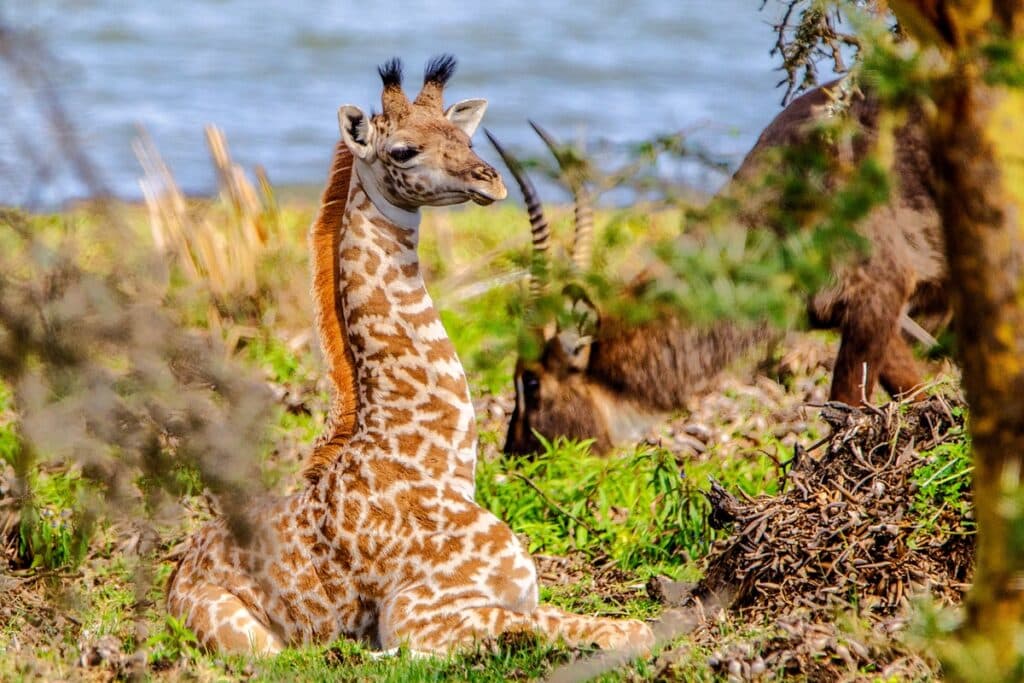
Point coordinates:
[(272, 73)]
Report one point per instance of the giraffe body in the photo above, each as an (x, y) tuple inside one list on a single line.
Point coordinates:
[(386, 543)]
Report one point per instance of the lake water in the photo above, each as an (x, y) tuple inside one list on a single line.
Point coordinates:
[(272, 73)]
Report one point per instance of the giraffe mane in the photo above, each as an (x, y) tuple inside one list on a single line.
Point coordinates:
[(329, 322)]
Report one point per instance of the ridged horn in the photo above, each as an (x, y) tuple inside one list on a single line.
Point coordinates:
[(582, 252), (539, 228)]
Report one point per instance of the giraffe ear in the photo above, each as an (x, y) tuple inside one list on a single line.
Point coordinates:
[(356, 131), (466, 115)]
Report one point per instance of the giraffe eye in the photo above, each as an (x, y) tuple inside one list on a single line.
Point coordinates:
[(403, 153)]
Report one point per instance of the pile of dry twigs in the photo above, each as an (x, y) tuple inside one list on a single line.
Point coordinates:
[(845, 529)]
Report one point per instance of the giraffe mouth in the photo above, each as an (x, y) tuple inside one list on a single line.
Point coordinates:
[(482, 198)]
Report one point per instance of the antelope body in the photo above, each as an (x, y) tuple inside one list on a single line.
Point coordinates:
[(613, 386)]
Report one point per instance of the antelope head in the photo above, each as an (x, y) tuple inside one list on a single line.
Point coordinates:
[(555, 395)]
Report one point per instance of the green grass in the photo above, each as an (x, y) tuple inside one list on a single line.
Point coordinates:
[(54, 529), (8, 435), (641, 509)]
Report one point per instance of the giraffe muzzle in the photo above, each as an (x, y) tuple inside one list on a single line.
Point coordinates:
[(493, 191)]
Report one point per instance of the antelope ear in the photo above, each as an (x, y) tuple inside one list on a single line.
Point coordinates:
[(578, 337), (576, 349), (466, 115), (356, 131)]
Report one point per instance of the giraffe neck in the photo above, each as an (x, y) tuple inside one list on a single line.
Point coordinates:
[(413, 398)]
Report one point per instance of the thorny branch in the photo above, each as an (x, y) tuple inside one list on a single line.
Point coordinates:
[(809, 32)]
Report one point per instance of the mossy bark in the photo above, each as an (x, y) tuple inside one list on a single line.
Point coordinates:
[(977, 148)]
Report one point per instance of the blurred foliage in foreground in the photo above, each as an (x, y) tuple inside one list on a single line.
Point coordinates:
[(109, 383)]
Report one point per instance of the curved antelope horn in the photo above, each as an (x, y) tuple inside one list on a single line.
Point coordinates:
[(583, 238), (538, 224)]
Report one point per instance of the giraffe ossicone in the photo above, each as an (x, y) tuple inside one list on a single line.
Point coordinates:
[(386, 542)]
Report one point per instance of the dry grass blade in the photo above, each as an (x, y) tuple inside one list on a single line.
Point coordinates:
[(220, 252)]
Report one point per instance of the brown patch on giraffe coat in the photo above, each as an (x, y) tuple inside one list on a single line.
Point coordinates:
[(411, 298), (422, 318), (462, 518), (371, 263), (315, 608), (456, 385), (387, 471), (494, 539), (376, 303), (401, 236), (503, 582), (435, 460), (396, 415), (461, 575), (439, 353), (307, 582)]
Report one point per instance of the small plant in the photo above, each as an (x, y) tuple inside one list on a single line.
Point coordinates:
[(943, 483), (55, 529), (174, 643), (277, 360)]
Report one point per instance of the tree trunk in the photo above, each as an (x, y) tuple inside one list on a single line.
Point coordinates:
[(982, 220), (977, 148)]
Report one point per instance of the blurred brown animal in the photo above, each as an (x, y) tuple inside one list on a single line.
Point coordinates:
[(611, 384), (904, 271)]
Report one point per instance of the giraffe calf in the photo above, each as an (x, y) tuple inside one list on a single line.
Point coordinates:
[(386, 543)]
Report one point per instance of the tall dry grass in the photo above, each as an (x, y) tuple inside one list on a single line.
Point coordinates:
[(220, 255)]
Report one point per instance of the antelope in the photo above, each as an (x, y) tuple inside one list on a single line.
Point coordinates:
[(610, 383), (603, 379)]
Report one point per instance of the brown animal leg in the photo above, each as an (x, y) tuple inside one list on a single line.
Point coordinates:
[(869, 324), (899, 373), (851, 384)]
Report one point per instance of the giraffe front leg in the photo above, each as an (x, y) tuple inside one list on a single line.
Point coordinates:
[(222, 622)]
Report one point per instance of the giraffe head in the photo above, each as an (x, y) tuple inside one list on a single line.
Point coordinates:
[(417, 153)]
